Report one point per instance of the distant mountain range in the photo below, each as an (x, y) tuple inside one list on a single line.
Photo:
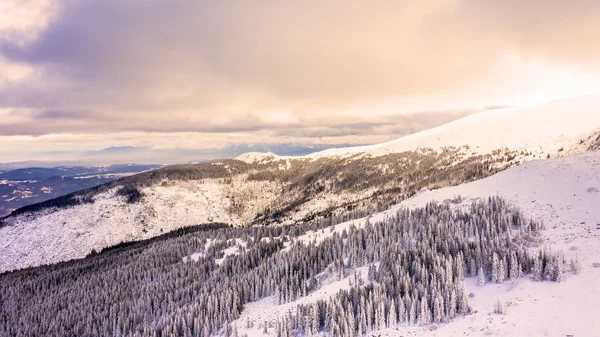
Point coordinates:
[(36, 173), (120, 155)]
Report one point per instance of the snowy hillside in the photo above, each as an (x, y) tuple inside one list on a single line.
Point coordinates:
[(51, 236), (542, 130), (262, 188), (26, 186), (238, 193), (335, 275), (564, 194)]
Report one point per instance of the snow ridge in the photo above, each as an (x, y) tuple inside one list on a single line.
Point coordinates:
[(553, 128)]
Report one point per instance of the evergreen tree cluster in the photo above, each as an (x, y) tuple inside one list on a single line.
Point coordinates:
[(423, 257), (417, 260)]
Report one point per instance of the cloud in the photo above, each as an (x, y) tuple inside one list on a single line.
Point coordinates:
[(564, 31), (341, 71), (38, 123), (148, 55)]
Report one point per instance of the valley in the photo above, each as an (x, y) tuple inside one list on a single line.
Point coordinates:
[(27, 186)]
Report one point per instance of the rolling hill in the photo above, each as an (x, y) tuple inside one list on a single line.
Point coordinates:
[(267, 189)]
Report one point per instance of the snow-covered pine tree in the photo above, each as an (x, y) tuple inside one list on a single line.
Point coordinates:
[(496, 265), (481, 277), (537, 269)]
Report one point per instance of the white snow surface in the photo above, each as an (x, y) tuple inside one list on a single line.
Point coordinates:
[(55, 235), (52, 235), (564, 193), (543, 129)]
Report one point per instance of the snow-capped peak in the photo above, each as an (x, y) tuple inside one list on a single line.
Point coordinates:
[(542, 129), (257, 157)]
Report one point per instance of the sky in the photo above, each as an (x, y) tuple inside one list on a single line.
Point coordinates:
[(189, 75)]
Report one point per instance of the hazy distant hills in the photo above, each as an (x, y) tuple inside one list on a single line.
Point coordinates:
[(32, 173), (26, 186), (123, 155)]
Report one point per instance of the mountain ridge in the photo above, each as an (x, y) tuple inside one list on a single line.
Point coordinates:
[(265, 190), (561, 124)]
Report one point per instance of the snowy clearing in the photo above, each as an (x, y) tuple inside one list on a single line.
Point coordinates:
[(52, 236)]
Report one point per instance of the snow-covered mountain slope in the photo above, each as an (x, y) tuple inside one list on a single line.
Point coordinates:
[(564, 194), (264, 188), (52, 236), (542, 130), (232, 192)]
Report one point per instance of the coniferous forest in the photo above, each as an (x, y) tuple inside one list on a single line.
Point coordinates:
[(181, 284)]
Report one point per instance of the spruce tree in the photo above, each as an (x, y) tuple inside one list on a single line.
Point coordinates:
[(480, 277)]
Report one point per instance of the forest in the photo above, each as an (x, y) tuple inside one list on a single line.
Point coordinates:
[(381, 180), (182, 284)]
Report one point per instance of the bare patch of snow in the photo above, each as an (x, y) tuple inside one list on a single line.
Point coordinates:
[(46, 189)]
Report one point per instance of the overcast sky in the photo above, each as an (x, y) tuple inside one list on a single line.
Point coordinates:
[(82, 75)]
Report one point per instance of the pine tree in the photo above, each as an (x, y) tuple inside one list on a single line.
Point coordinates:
[(401, 311), (453, 304), (424, 314), (499, 307), (537, 269), (575, 266), (413, 313), (460, 267), (438, 311), (496, 269), (480, 277), (391, 319), (514, 272), (558, 269), (502, 271), (380, 316), (315, 318)]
